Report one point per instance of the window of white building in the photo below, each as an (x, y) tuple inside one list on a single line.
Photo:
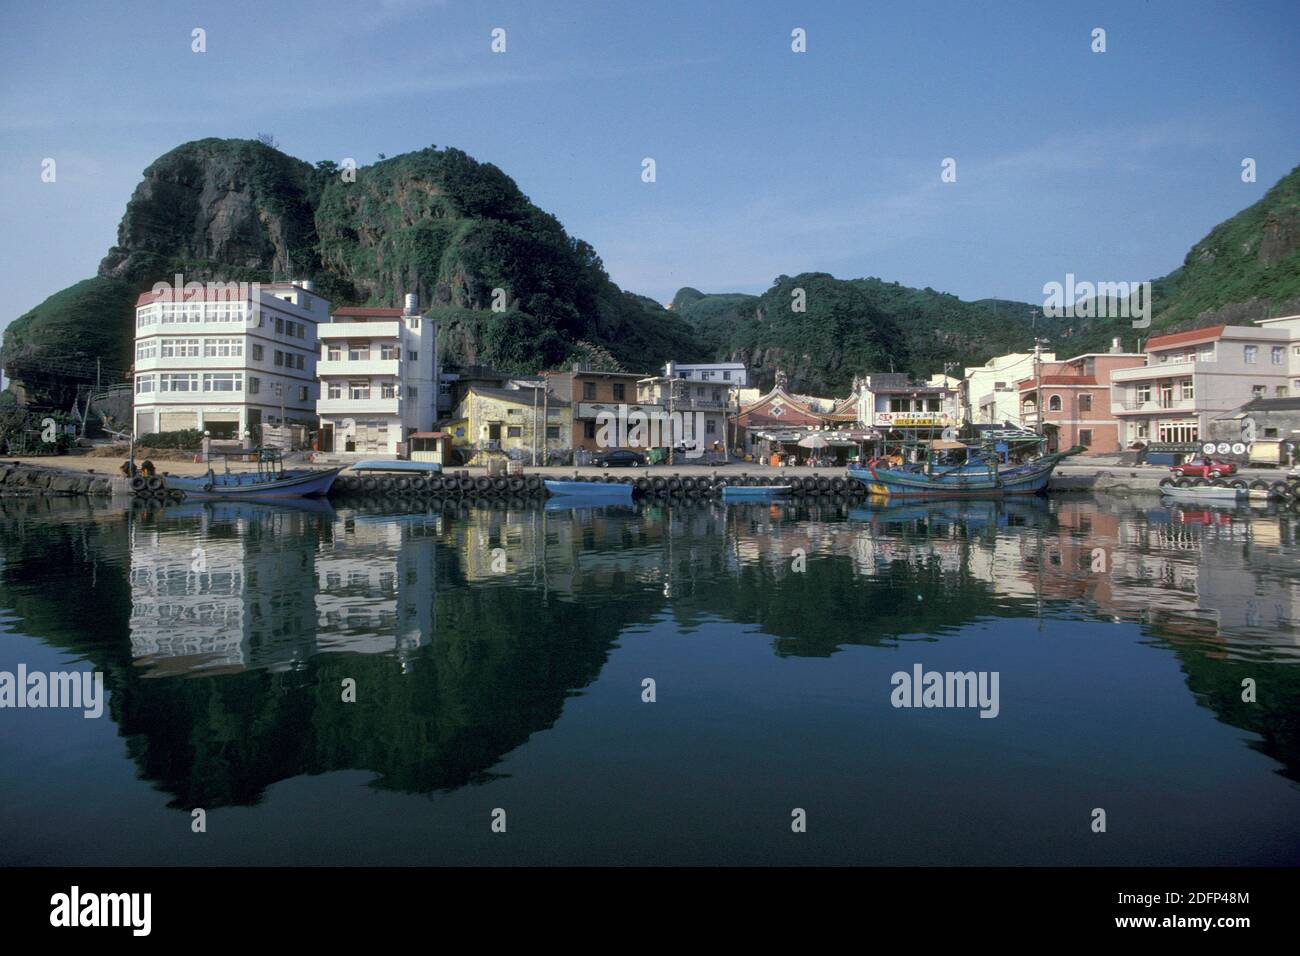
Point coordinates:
[(178, 382), (223, 348), (180, 348), (223, 381)]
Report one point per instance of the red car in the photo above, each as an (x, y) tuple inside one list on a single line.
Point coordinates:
[(1204, 468)]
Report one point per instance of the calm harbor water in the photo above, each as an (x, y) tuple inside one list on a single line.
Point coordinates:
[(499, 659)]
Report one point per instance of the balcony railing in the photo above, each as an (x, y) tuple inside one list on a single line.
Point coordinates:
[(1155, 405), (358, 367), (359, 406), (359, 331)]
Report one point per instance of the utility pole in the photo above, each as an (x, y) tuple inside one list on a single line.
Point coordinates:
[(279, 390), (1038, 386), (672, 441), (535, 426), (546, 415)]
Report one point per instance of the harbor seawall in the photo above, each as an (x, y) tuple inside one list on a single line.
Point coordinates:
[(20, 479)]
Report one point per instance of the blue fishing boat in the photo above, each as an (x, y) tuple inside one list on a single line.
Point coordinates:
[(594, 489), (955, 469), (269, 480), (753, 492)]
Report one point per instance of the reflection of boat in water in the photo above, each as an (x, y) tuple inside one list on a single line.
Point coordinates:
[(957, 469), (225, 509), (271, 480), (616, 491), (574, 502), (968, 512)]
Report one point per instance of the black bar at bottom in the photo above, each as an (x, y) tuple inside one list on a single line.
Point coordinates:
[(239, 905)]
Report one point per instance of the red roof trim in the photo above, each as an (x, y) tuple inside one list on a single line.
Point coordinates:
[(1180, 338)]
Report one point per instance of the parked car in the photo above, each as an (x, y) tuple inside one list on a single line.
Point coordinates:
[(618, 458), (1204, 468)]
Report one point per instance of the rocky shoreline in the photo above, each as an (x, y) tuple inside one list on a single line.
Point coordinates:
[(21, 480)]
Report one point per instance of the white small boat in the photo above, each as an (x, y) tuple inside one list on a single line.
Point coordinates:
[(1204, 492), (270, 480)]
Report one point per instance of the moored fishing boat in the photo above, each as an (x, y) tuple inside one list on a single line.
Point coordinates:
[(956, 469), (270, 479)]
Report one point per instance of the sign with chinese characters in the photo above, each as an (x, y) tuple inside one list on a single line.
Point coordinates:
[(913, 419)]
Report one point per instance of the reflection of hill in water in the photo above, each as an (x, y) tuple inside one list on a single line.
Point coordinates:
[(231, 678)]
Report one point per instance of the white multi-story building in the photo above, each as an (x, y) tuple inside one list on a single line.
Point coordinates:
[(724, 374), (225, 358), (377, 373), (892, 402), (989, 392), (1191, 378)]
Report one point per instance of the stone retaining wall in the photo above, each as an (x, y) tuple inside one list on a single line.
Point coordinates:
[(19, 479)]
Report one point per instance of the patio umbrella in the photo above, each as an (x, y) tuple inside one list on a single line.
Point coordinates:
[(813, 442)]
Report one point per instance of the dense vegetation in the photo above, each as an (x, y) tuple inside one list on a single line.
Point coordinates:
[(848, 327)]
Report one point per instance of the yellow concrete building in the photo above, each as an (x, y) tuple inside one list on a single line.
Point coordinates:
[(511, 423)]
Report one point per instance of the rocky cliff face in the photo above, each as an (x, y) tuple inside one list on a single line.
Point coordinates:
[(214, 206)]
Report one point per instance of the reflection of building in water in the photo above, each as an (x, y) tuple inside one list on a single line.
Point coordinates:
[(568, 550), (221, 585), (1250, 584), (1213, 575), (376, 583)]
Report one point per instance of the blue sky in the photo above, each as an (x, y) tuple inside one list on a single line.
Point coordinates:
[(1105, 165)]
